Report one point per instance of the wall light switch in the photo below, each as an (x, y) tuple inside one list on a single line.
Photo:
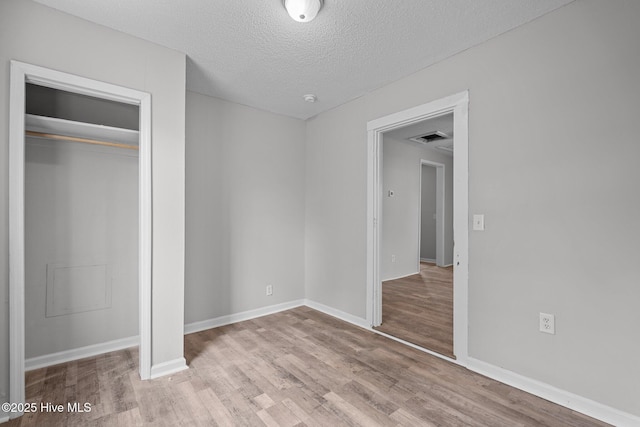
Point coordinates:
[(478, 222)]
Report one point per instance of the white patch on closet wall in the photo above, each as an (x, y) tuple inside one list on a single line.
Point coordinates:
[(77, 288)]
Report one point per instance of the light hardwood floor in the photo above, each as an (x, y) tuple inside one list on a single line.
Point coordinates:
[(294, 368), (419, 308)]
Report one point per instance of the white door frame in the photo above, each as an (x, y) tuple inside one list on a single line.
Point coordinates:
[(440, 211), (22, 73), (457, 104)]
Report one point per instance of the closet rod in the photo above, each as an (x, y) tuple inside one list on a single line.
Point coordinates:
[(84, 140)]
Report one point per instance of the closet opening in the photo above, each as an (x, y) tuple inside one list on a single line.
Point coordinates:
[(80, 221), (81, 232)]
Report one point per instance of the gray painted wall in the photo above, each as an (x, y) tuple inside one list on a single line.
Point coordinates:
[(427, 213), (81, 209), (39, 35), (401, 172), (245, 208), (540, 98)]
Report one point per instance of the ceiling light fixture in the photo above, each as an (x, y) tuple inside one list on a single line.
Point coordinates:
[(303, 10), (310, 98)]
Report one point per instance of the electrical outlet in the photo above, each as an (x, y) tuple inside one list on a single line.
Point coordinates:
[(269, 290), (393, 258), (548, 323)]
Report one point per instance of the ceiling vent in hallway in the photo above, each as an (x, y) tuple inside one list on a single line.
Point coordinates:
[(430, 137)]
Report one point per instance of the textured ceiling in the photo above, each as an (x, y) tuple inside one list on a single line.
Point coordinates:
[(251, 52)]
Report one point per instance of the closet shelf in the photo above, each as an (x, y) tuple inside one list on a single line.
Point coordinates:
[(68, 130)]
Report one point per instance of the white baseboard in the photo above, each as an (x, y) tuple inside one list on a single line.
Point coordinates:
[(168, 368), (240, 317), (561, 397), (350, 318), (401, 277), (433, 261), (79, 353)]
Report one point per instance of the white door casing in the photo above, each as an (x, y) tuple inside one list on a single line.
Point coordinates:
[(458, 104)]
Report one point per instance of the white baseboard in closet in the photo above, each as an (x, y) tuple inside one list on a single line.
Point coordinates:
[(80, 353)]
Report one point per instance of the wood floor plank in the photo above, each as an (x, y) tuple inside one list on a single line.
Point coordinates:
[(186, 405), (283, 416), (349, 412), (267, 419), (129, 418), (404, 418), (219, 413), (369, 396), (367, 404), (294, 368)]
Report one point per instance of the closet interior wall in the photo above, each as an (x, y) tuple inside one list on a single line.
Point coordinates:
[(81, 228)]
